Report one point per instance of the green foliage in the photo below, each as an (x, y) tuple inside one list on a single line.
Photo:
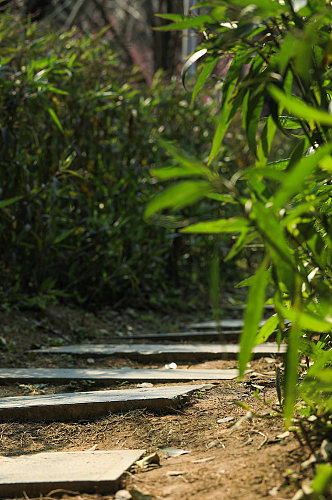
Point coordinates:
[(281, 55), (77, 142)]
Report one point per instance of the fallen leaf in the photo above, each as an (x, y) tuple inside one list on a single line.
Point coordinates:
[(283, 435), (173, 452), (225, 420), (150, 459)]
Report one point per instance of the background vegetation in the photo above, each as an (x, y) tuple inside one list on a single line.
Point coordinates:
[(78, 139)]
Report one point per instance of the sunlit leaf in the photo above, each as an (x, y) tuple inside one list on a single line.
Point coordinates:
[(267, 329), (178, 196), (190, 61), (253, 316), (205, 73), (299, 108), (296, 177), (232, 225)]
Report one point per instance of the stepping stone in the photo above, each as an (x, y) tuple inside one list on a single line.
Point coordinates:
[(85, 471), (169, 352), (93, 404), (35, 375), (205, 335), (223, 323)]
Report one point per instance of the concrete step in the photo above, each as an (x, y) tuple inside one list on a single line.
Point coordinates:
[(85, 471), (93, 404), (37, 375), (167, 352)]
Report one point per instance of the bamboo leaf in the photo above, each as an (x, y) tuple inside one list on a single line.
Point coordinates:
[(232, 225), (296, 177), (291, 376), (299, 108), (10, 201), (267, 329), (204, 75), (307, 321), (253, 316), (178, 196), (54, 117)]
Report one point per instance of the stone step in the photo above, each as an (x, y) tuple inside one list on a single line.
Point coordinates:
[(167, 352), (85, 471), (37, 375), (223, 323), (195, 335), (92, 404)]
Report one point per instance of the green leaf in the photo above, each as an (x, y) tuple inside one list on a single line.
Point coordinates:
[(322, 481), (271, 231), (267, 329), (307, 321), (205, 73), (254, 109), (232, 225), (64, 235), (10, 201), (291, 376), (178, 196), (189, 164), (55, 118), (299, 108), (226, 105), (253, 316), (224, 198), (296, 177), (187, 23)]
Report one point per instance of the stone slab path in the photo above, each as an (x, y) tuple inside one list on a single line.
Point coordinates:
[(92, 404), (194, 335), (88, 471), (223, 323), (170, 352), (37, 375)]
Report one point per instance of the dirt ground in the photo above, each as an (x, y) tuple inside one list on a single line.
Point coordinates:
[(246, 456)]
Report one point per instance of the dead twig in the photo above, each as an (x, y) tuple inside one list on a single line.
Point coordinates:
[(264, 436)]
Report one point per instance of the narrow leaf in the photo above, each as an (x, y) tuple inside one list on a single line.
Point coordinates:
[(232, 225), (295, 178), (178, 196), (205, 73), (55, 119), (267, 329), (291, 376), (299, 108), (253, 316), (10, 201)]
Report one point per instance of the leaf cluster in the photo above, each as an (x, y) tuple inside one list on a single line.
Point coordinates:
[(279, 85)]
